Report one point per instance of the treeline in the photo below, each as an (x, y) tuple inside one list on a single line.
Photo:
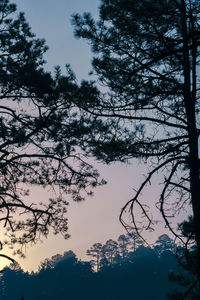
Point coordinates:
[(122, 269), (123, 250)]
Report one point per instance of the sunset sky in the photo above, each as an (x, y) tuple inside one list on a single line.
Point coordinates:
[(96, 219)]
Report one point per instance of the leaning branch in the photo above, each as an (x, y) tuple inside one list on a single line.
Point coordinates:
[(134, 200)]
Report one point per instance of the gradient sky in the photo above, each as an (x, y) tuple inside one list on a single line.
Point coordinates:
[(96, 219)]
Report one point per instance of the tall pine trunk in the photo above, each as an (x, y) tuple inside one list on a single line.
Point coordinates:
[(190, 100)]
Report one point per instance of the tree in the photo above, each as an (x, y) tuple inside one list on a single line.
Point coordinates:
[(95, 253), (35, 149), (146, 57), (164, 243), (135, 240), (110, 251), (124, 243)]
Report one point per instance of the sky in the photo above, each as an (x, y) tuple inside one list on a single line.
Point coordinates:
[(97, 218)]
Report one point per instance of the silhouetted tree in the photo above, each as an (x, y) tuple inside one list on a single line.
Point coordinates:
[(104, 263), (67, 277), (146, 55), (189, 287), (135, 240), (95, 252), (163, 243), (186, 278), (124, 243), (32, 149), (110, 250)]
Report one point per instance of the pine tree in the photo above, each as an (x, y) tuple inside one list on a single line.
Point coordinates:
[(35, 149), (146, 56)]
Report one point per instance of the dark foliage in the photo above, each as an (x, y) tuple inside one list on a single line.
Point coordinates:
[(146, 57), (36, 149), (140, 274)]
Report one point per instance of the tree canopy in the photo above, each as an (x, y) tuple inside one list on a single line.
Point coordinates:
[(146, 60), (33, 150)]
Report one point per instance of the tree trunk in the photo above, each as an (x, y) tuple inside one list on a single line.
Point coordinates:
[(190, 100)]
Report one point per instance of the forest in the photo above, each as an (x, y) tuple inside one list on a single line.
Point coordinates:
[(122, 269), (142, 103)]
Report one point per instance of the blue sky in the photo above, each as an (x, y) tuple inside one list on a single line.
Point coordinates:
[(50, 19)]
